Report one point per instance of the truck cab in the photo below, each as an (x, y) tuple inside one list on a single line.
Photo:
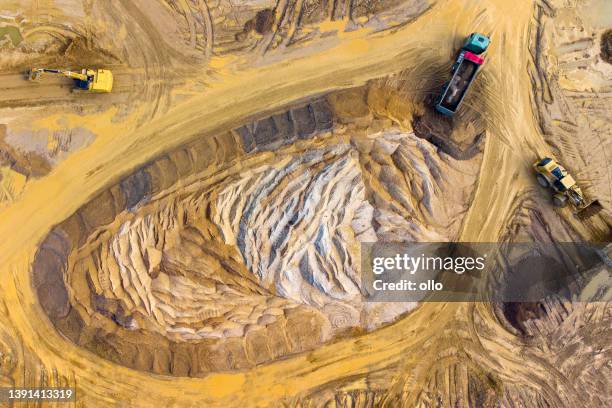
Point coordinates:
[(476, 43)]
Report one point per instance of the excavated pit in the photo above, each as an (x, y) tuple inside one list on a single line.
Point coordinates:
[(242, 248)]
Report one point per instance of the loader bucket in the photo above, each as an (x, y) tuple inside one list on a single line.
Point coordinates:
[(593, 208)]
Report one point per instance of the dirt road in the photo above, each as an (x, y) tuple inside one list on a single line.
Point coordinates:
[(513, 142)]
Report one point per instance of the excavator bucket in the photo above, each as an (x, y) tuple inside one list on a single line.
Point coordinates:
[(593, 208), (33, 74)]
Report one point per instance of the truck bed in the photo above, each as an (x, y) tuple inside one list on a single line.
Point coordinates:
[(457, 87)]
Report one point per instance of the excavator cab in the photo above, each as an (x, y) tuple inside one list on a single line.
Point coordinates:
[(99, 80)]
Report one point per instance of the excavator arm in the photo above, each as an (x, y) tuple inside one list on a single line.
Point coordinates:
[(35, 73)]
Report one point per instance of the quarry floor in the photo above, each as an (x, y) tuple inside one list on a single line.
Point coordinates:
[(441, 348)]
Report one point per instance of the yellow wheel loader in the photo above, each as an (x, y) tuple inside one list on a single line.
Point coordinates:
[(92, 80), (550, 174)]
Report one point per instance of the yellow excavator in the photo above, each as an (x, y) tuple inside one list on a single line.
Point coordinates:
[(92, 80)]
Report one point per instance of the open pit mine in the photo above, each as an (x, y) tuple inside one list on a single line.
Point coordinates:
[(187, 188)]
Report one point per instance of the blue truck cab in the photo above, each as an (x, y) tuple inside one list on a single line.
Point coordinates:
[(464, 71), (476, 43)]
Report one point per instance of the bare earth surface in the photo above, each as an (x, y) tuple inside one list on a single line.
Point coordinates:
[(193, 238)]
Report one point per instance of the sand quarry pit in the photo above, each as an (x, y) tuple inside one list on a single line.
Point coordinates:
[(194, 237)]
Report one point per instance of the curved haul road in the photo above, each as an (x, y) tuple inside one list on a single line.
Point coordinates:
[(512, 144)]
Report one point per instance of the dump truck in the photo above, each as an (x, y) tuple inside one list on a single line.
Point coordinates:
[(464, 71), (551, 174), (92, 80)]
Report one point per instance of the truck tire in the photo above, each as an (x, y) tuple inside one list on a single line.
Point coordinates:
[(560, 201), (543, 181)]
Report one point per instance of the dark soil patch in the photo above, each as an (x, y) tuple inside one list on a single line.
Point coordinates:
[(439, 131), (262, 23), (517, 313), (606, 46), (30, 164), (264, 19)]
